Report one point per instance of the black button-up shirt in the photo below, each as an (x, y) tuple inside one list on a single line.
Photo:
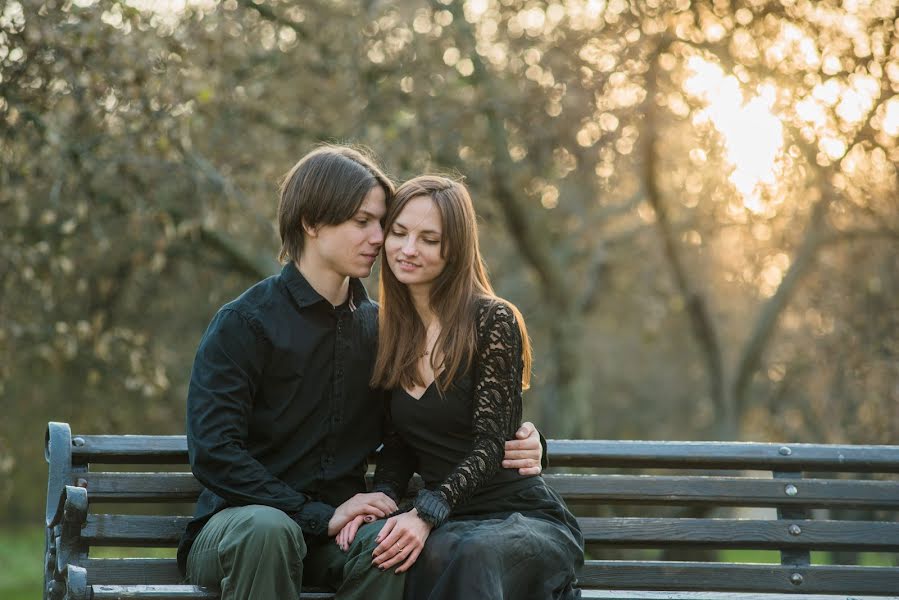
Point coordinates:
[(279, 409)]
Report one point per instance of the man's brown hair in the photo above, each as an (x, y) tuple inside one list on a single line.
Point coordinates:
[(326, 187)]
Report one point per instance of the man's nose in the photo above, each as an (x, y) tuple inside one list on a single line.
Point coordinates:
[(377, 237)]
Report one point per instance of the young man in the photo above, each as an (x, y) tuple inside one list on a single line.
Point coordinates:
[(280, 415)]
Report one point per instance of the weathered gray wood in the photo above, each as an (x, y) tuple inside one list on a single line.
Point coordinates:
[(654, 595), (149, 449), (728, 577), (152, 592), (634, 575), (134, 530), (632, 489), (172, 592), (741, 533), (130, 449), (133, 571), (651, 580), (723, 455), (725, 491), (141, 487)]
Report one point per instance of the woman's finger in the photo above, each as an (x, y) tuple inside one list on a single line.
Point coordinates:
[(401, 552), (410, 561), (388, 541), (351, 529)]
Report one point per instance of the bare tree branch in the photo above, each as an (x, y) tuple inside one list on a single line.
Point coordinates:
[(701, 321), (532, 247)]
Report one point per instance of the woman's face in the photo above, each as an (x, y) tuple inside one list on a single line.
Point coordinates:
[(413, 243)]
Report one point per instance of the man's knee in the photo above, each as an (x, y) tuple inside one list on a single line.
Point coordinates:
[(264, 529), (262, 532)]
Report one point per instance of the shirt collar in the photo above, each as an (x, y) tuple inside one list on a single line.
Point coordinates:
[(305, 295)]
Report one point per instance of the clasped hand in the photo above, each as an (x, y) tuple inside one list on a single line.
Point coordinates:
[(401, 540), (364, 507)]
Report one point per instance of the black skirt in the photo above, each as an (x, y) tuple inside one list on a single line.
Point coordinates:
[(522, 545)]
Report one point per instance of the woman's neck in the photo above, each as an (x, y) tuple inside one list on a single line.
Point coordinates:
[(421, 300)]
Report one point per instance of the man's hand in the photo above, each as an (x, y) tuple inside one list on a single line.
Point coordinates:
[(401, 541), (375, 503), (524, 452)]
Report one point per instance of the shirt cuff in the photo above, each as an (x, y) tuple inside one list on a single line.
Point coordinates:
[(314, 517), (432, 507), (387, 490)]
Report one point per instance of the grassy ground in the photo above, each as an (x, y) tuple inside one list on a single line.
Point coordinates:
[(21, 552)]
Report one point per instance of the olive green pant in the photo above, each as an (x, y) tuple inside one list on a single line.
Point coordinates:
[(258, 553)]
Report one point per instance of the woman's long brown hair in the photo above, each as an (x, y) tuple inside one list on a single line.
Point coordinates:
[(455, 295)]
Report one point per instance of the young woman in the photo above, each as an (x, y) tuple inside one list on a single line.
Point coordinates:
[(456, 357)]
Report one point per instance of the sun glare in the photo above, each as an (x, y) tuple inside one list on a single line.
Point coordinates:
[(752, 135)]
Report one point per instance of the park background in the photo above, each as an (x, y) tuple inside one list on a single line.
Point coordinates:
[(694, 204)]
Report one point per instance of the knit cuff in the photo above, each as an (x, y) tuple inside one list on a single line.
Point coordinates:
[(432, 507)]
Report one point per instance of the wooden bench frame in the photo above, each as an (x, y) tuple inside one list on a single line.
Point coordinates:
[(707, 474)]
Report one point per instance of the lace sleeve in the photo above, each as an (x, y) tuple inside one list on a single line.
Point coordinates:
[(496, 413), (396, 462)]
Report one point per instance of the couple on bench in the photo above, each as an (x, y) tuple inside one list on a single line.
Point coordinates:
[(298, 380)]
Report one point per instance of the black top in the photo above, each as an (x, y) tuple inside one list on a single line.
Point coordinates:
[(279, 409), (456, 442)]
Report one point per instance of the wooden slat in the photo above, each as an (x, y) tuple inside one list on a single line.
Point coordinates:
[(152, 592), (634, 575), (862, 536), (172, 449), (668, 595), (725, 491), (132, 571), (141, 487), (632, 489), (723, 455), (172, 592), (189, 592), (726, 577), (130, 449), (134, 530)]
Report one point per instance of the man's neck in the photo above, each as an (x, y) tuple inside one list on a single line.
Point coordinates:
[(332, 286)]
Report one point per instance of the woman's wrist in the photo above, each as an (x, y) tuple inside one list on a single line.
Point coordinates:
[(431, 507)]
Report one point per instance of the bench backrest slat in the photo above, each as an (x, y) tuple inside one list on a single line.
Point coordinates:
[(687, 576), (602, 489), (172, 449), (756, 534)]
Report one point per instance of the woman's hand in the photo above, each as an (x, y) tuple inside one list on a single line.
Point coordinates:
[(348, 533), (401, 541)]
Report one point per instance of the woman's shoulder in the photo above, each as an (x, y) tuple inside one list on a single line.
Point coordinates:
[(493, 311)]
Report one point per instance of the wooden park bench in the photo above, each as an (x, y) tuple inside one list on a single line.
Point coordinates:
[(678, 497)]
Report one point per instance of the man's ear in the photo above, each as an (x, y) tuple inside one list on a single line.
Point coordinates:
[(309, 230)]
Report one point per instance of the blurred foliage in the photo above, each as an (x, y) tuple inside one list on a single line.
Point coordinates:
[(693, 203)]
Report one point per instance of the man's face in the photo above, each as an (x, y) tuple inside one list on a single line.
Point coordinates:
[(350, 248)]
